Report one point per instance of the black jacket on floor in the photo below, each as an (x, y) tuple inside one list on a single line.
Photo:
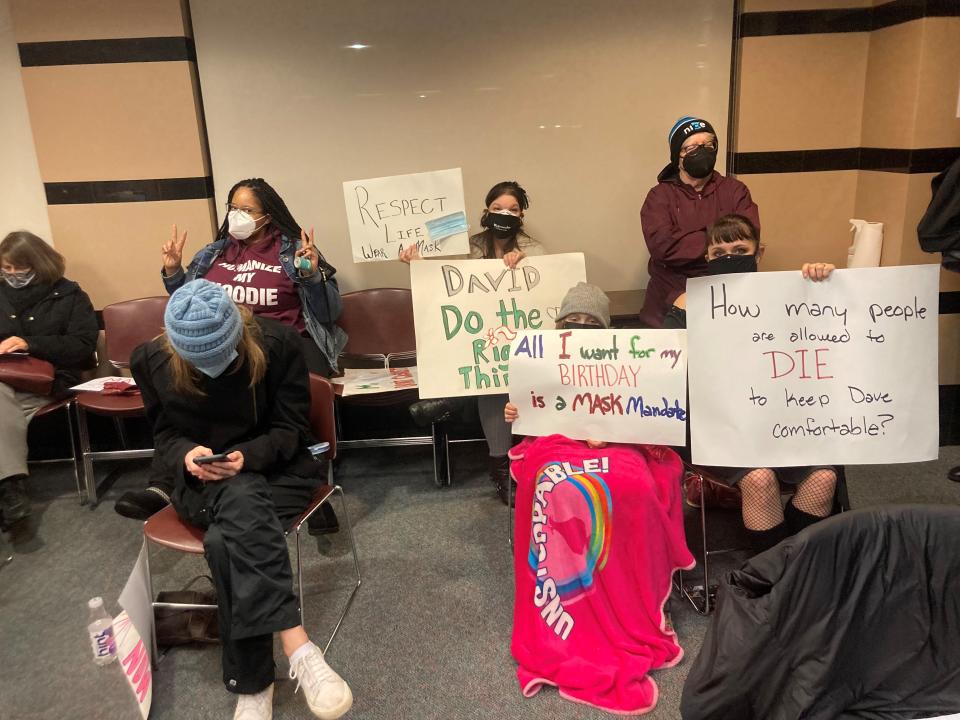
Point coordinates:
[(268, 423), (857, 616), (57, 322)]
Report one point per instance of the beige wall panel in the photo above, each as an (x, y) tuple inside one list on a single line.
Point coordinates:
[(950, 349), (576, 106), (773, 5), (24, 204), (113, 249), (882, 197), (114, 122), (890, 96), (937, 121), (800, 92), (804, 216), (48, 20)]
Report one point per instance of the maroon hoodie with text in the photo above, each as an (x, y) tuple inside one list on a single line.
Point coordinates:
[(674, 218)]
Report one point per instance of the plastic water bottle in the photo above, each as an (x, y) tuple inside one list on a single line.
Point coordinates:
[(100, 627)]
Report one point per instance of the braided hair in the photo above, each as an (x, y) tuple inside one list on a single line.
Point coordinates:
[(272, 204)]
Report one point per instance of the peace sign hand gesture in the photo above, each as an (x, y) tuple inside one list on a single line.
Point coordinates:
[(308, 254), (172, 253)]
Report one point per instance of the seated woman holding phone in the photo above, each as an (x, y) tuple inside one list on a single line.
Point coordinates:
[(43, 316), (228, 397)]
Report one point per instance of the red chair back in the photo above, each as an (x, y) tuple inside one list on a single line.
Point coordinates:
[(131, 323), (322, 421), (378, 322)]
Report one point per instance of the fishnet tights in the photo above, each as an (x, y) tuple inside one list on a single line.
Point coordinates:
[(761, 497)]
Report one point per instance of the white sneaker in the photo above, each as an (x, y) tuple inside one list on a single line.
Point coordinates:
[(255, 707), (328, 696)]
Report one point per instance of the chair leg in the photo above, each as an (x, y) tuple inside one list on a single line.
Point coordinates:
[(121, 433), (356, 565), (73, 451), (300, 574), (441, 455), (154, 649), (88, 477), (706, 552)]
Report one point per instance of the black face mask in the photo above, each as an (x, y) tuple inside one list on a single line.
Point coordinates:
[(700, 163), (579, 326), (727, 264), (503, 225)]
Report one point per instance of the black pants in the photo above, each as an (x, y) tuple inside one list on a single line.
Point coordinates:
[(245, 517)]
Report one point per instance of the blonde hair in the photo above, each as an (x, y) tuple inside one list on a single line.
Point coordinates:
[(185, 377)]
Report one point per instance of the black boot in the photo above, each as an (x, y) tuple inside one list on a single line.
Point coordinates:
[(323, 521), (427, 412), (500, 476), (761, 540), (14, 503), (141, 504), (797, 519), (954, 474)]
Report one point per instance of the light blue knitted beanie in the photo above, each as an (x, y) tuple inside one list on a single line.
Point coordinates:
[(203, 326)]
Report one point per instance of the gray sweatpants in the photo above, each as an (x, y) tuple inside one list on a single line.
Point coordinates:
[(496, 430), (16, 410)]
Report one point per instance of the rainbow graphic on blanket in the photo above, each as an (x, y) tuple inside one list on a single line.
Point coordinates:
[(571, 528)]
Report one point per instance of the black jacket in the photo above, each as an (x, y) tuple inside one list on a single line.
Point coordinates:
[(857, 616), (939, 229), (60, 327), (268, 423)]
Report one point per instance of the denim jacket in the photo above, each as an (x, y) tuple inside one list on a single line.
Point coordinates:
[(319, 294)]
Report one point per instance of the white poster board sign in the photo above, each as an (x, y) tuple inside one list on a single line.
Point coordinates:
[(387, 214), (133, 654), (467, 313), (788, 372), (625, 386)]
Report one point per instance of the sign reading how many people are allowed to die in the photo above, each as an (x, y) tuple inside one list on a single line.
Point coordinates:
[(388, 214), (619, 385), (467, 314), (786, 371)]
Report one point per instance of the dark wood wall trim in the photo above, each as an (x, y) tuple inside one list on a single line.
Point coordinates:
[(96, 52), (917, 160), (114, 191), (844, 20), (950, 302)]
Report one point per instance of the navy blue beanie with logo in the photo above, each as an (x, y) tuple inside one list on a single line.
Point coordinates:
[(681, 130)]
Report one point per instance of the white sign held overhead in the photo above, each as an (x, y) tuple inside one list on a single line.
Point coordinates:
[(388, 214), (789, 372)]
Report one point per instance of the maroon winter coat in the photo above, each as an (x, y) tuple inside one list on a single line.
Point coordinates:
[(674, 219)]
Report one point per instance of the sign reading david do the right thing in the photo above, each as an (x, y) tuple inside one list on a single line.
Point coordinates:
[(785, 372)]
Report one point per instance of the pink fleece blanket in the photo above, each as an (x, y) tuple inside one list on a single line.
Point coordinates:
[(599, 534)]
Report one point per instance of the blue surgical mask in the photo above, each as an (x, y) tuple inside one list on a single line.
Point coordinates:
[(20, 279)]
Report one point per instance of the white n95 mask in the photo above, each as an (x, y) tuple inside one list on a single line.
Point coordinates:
[(240, 224)]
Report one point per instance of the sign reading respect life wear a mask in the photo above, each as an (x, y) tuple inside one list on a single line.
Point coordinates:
[(467, 314), (789, 372), (389, 214)]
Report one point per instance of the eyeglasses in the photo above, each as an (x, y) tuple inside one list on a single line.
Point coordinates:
[(248, 210), (686, 150)]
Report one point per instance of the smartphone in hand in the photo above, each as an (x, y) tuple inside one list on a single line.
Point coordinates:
[(206, 459)]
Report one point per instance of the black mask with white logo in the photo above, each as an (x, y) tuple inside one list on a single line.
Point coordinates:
[(728, 264), (700, 162), (503, 225)]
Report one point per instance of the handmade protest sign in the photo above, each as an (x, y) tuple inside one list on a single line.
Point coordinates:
[(625, 386), (467, 314), (787, 372), (387, 214)]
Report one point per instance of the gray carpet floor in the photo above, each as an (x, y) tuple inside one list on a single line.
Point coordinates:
[(427, 637)]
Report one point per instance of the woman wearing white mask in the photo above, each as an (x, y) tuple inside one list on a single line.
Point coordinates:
[(267, 262), (46, 316), (503, 238)]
